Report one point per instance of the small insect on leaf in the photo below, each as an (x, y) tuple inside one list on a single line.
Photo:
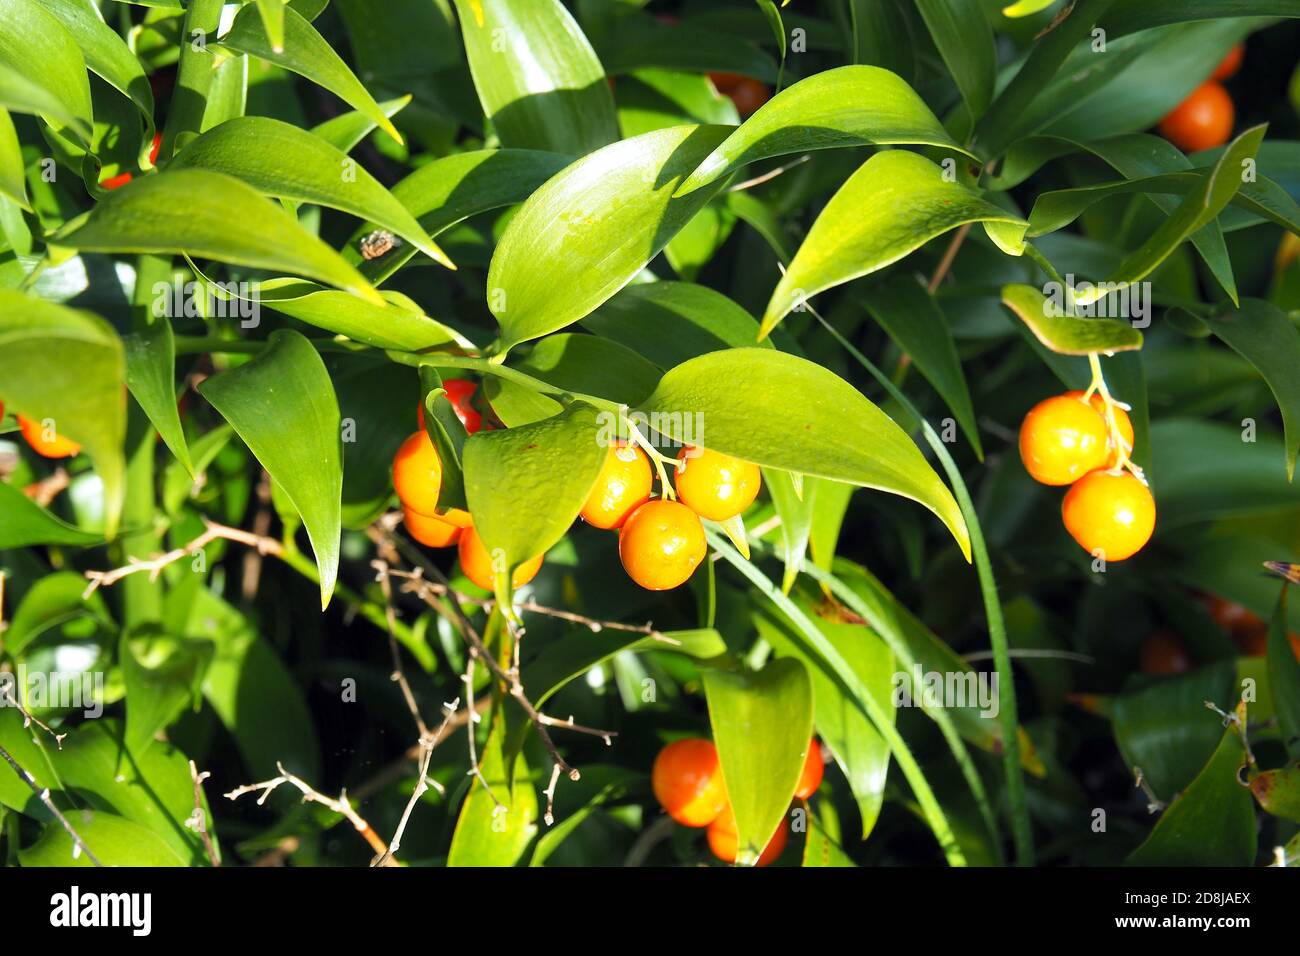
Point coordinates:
[(379, 242)]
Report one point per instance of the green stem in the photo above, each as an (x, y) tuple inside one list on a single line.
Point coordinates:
[(1007, 710), (934, 814), (193, 74)]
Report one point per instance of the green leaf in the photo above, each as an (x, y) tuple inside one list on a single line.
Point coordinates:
[(51, 602), (670, 322), (1284, 676), (448, 436), (12, 181), (654, 99), (308, 54), (272, 13), (603, 784), (494, 829), (858, 748), (41, 68), (1278, 792), (1196, 210), (820, 848), (283, 161), (150, 354), (161, 674), (591, 228), (895, 203), (1211, 823), (282, 405), (26, 523), (526, 485), (881, 36), (114, 840), (833, 432), (637, 42), (346, 130), (965, 41), (912, 318), (794, 505), (1064, 333), (1131, 16), (537, 77), (848, 106), (1264, 336), (67, 366), (191, 211), (762, 723), (592, 365)]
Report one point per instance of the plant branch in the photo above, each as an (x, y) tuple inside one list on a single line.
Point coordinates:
[(79, 845)]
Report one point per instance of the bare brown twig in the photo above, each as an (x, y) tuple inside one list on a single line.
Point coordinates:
[(198, 819), (78, 844)]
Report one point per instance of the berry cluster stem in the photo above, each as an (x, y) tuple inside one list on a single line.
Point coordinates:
[(1123, 448), (661, 462)]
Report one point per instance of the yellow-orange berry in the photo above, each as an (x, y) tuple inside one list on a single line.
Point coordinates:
[(1122, 421), (622, 486), (1110, 515), (724, 840), (687, 781), (417, 474), (661, 544), (813, 770), (714, 485), (46, 441), (477, 563), (1202, 121), (1062, 439), (431, 531)]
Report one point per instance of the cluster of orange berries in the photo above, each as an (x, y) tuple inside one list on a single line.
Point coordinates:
[(1165, 653), (661, 541), (1204, 120), (687, 781), (43, 441), (1067, 440)]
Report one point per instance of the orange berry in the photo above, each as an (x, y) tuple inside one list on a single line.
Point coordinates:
[(477, 563), (1202, 121), (724, 840), (51, 445), (748, 95), (461, 395), (726, 82), (1164, 653), (114, 182), (417, 474), (431, 531), (1121, 419), (714, 485), (1238, 620), (813, 769), (1062, 439), (1230, 63), (687, 781), (1111, 514), (622, 486), (661, 544)]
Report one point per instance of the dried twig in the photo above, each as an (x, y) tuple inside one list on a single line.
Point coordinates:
[(78, 844), (47, 489), (422, 783), (1154, 803), (7, 699), (198, 819)]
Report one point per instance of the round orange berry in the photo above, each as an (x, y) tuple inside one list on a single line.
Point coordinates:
[(622, 486), (1109, 514), (661, 544), (417, 474), (748, 95), (1062, 439), (687, 781), (1164, 653), (477, 563), (714, 485), (726, 82), (1122, 421), (724, 840), (813, 769), (1230, 63), (1202, 121), (433, 532), (46, 441)]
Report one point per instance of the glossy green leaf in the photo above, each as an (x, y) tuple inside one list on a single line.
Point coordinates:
[(526, 485), (494, 829), (1198, 208), (1278, 792), (1264, 336), (191, 211), (346, 130), (820, 848), (114, 840), (286, 162), (965, 41), (1284, 677), (12, 182), (862, 754), (1132, 16), (847, 106), (654, 99), (591, 228), (42, 70), (162, 675), (914, 321), (591, 365), (603, 784), (448, 436), (895, 203), (26, 523), (1211, 823), (272, 13), (150, 353), (537, 77), (1024, 8), (881, 36), (833, 433), (282, 405), (794, 505), (762, 723), (66, 366), (638, 42), (308, 54), (1063, 333), (51, 602), (670, 322)]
